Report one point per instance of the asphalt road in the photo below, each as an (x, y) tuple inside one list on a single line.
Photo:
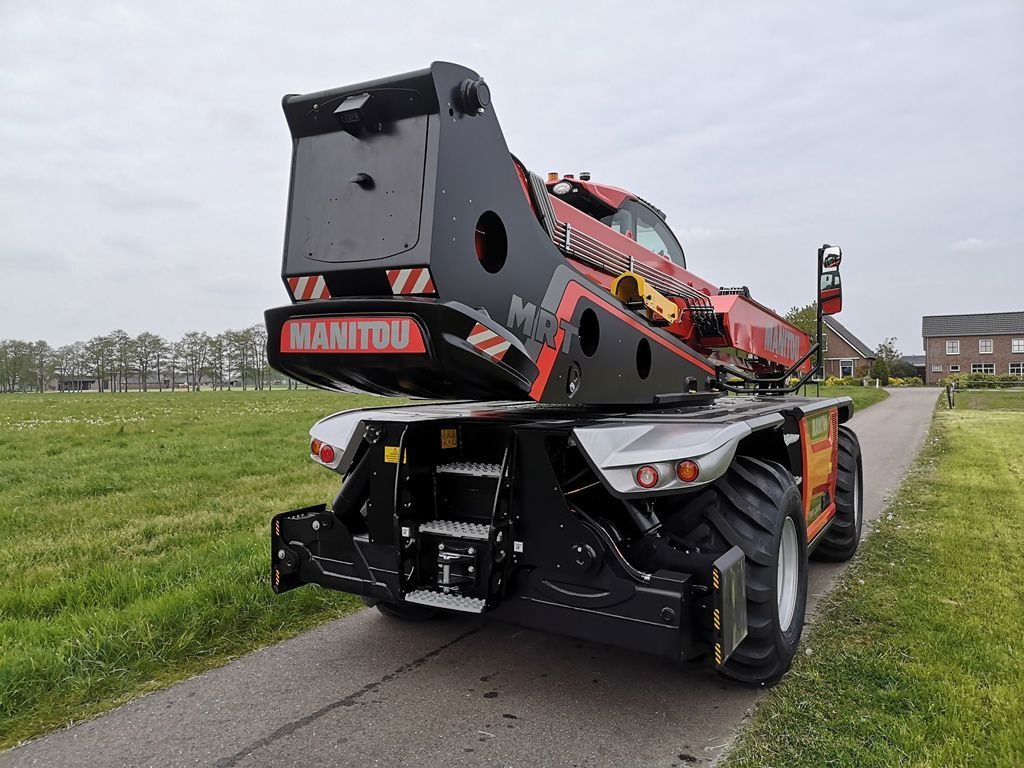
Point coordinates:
[(368, 691)]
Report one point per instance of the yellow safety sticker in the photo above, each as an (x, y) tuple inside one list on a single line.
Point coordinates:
[(391, 454), (449, 438)]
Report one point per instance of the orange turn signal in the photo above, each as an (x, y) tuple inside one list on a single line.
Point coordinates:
[(687, 471)]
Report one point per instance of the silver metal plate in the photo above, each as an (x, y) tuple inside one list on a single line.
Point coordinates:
[(447, 602), (474, 468), (456, 529)]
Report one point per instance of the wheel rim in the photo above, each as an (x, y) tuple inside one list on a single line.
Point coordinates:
[(789, 573)]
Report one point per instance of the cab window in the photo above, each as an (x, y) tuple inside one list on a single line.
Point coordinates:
[(640, 223), (652, 233)]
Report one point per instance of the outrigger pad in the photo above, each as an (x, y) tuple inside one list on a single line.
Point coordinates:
[(729, 587)]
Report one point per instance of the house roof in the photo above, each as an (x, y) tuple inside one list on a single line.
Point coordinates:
[(992, 323), (840, 330), (913, 359)]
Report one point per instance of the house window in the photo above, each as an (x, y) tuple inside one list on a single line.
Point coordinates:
[(938, 368), (983, 367), (1017, 345), (1017, 369), (984, 346), (953, 347), (846, 368), (953, 368)]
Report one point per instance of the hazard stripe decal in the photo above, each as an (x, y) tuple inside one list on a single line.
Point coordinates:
[(414, 281), (487, 341), (308, 288)]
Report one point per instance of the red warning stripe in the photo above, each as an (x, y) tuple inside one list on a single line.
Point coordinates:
[(414, 281), (308, 288), (492, 344)]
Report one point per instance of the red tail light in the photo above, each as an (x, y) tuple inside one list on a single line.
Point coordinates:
[(647, 476), (326, 453)]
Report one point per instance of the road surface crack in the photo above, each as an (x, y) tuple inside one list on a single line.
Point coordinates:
[(347, 701)]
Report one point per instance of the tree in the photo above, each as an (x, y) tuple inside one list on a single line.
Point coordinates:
[(218, 359), (257, 338), (148, 347), (238, 349), (122, 347), (15, 365), (804, 318), (42, 364), (99, 354), (195, 347)]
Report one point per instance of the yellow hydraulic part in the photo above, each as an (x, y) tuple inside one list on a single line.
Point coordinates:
[(629, 287)]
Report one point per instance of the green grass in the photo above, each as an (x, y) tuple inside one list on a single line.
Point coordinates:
[(988, 400), (862, 396), (135, 541), (917, 657)]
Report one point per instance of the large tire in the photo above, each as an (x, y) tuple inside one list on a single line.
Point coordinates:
[(760, 511), (402, 611), (843, 536)]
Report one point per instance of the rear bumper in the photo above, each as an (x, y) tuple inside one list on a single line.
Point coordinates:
[(663, 618), (350, 344)]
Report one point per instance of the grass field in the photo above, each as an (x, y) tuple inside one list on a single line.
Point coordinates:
[(135, 540), (917, 657), (862, 396)]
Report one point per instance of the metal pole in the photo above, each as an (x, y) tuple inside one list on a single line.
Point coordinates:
[(821, 368)]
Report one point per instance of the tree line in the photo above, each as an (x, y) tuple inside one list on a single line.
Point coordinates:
[(119, 361)]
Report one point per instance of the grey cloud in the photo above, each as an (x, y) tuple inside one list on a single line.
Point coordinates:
[(32, 261), (132, 198), (145, 144)]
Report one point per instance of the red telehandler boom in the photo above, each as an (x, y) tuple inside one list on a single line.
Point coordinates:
[(619, 456)]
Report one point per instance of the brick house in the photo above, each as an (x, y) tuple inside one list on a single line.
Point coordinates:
[(985, 343), (845, 354)]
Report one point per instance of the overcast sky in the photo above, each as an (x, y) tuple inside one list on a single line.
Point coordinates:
[(144, 156)]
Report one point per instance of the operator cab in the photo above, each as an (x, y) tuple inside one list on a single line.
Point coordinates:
[(622, 211)]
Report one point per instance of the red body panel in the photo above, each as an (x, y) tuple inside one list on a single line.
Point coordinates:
[(759, 331), (751, 328)]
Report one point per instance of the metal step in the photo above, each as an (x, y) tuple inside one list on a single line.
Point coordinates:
[(457, 529), (449, 602), (474, 468)]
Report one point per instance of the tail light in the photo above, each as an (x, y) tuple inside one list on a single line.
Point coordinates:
[(322, 451), (647, 476), (687, 471)]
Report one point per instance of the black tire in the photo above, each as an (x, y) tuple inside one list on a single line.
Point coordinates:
[(402, 611), (755, 499), (842, 538)]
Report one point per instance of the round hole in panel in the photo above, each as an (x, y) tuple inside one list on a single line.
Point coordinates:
[(491, 242)]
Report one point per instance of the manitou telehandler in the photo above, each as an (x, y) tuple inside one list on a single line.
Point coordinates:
[(619, 456)]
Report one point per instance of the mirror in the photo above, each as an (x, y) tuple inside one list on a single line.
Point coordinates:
[(830, 293)]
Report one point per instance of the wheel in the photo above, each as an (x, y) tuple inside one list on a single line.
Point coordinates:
[(843, 536), (403, 611), (760, 511)]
